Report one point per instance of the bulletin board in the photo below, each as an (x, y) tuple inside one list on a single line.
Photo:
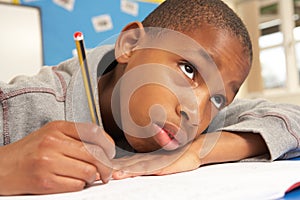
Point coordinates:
[(99, 20)]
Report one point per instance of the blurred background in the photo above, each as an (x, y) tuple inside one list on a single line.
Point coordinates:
[(35, 33)]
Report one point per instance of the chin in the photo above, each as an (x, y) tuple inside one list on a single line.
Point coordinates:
[(143, 149), (143, 145)]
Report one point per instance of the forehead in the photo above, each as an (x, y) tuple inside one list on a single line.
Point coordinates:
[(226, 51)]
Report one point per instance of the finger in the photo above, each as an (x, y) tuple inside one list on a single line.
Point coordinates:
[(77, 169), (124, 162), (94, 134), (86, 132), (89, 153), (58, 184), (137, 169), (131, 160), (148, 168), (121, 174), (103, 163)]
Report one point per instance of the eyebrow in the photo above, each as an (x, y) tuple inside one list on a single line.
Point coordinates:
[(202, 52), (234, 86), (193, 55), (208, 57)]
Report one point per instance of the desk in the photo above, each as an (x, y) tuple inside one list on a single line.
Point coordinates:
[(294, 194), (247, 181)]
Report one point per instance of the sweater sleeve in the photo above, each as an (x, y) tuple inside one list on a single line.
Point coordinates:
[(29, 102), (278, 124)]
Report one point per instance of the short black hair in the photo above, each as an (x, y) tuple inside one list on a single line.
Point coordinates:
[(185, 15)]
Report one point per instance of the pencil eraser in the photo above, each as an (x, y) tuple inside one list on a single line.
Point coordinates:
[(78, 35)]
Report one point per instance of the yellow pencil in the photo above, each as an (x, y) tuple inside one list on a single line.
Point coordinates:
[(78, 37)]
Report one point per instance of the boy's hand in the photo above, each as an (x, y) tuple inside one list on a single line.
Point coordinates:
[(217, 147), (157, 163), (60, 157)]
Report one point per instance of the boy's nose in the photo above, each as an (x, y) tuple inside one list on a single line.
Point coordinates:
[(189, 114), (184, 115)]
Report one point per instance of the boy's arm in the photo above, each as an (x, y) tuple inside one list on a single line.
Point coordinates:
[(217, 147), (277, 124), (247, 129)]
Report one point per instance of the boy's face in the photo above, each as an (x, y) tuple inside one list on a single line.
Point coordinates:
[(174, 84)]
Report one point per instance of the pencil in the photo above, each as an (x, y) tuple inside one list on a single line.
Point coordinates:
[(78, 37)]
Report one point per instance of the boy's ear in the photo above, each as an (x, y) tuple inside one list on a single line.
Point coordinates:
[(128, 40)]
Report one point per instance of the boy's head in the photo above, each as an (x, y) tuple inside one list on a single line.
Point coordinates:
[(176, 70), (186, 16)]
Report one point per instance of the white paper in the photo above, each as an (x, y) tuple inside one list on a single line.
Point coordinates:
[(66, 4), (130, 7), (251, 180), (102, 23)]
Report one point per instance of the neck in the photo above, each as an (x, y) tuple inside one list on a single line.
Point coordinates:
[(112, 122)]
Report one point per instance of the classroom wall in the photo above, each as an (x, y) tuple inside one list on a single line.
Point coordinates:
[(253, 86), (99, 20)]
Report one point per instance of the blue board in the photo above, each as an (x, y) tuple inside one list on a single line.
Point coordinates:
[(59, 22)]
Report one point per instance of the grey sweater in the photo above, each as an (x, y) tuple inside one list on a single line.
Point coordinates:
[(57, 93)]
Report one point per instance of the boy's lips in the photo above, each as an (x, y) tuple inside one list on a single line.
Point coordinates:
[(169, 136)]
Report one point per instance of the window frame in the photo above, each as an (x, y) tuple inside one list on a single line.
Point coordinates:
[(291, 92)]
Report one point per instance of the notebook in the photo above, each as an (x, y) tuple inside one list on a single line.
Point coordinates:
[(243, 180)]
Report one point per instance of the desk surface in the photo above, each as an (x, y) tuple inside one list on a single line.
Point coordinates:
[(270, 182)]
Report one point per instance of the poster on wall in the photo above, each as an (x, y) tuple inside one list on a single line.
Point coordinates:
[(152, 1), (66, 4), (130, 7), (97, 20)]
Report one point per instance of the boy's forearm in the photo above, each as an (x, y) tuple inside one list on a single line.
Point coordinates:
[(225, 147)]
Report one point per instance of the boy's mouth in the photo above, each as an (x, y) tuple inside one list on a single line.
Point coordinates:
[(169, 137)]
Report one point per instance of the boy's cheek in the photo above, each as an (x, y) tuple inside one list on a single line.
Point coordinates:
[(151, 103)]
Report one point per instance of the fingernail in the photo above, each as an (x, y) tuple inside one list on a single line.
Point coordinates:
[(97, 176), (92, 179), (121, 173), (107, 179)]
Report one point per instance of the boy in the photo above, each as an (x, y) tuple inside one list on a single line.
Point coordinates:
[(167, 83)]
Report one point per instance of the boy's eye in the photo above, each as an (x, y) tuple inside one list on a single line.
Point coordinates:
[(188, 70), (218, 100)]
